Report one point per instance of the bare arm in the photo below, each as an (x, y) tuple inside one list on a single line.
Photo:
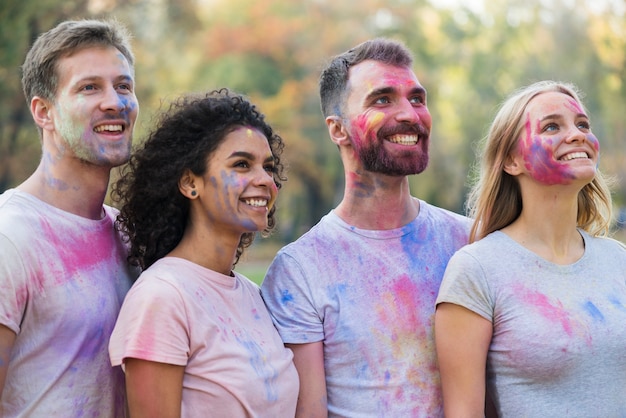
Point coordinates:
[(7, 339), (462, 338), (154, 390), (309, 361)]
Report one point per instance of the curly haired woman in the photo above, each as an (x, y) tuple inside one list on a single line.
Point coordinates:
[(193, 336)]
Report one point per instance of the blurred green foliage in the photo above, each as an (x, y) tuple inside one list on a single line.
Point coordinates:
[(273, 51)]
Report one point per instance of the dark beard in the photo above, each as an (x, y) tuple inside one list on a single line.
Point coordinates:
[(377, 160)]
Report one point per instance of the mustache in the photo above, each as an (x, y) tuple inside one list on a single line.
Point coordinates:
[(404, 129)]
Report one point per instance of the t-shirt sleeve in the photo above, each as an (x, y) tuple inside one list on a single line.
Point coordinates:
[(13, 285), (152, 325), (464, 284), (288, 297)]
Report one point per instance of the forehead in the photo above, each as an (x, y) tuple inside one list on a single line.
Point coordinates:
[(94, 61), (553, 103), (371, 75), (244, 138)]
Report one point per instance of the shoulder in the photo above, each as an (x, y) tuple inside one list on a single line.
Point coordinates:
[(162, 276), (23, 220), (314, 236), (444, 220), (16, 206), (444, 215), (605, 247)]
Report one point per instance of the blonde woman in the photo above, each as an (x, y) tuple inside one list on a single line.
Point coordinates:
[(534, 309)]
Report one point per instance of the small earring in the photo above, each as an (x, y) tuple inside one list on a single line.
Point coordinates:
[(193, 193)]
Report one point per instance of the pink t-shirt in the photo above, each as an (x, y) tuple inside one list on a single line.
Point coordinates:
[(218, 328)]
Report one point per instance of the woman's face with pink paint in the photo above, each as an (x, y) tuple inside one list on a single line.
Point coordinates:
[(238, 189), (556, 145), (388, 118)]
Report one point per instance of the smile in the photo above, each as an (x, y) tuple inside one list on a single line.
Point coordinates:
[(109, 128), (256, 202), (573, 156), (403, 139)]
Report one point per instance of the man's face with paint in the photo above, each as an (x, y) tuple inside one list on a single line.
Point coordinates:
[(557, 145), (95, 108), (389, 121)]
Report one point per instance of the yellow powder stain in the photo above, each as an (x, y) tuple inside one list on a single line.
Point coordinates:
[(375, 119)]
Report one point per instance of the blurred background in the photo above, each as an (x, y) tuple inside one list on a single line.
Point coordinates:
[(468, 54)]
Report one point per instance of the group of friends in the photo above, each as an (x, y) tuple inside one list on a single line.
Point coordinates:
[(388, 307)]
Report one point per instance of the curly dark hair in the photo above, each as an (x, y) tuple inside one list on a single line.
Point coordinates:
[(153, 213)]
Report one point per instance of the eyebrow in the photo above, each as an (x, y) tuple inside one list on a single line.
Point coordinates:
[(96, 78), (389, 90), (559, 116), (249, 156)]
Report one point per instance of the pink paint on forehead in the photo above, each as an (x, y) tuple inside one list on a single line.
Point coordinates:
[(575, 106)]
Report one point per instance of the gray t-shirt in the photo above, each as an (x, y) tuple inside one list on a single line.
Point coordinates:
[(559, 331), (370, 297)]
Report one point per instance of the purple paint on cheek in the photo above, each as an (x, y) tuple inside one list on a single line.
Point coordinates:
[(591, 138), (538, 154)]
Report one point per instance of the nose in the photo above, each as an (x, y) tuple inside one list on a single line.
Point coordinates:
[(575, 134), (112, 100), (263, 177), (407, 112)]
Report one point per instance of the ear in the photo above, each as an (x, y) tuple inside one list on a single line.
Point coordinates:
[(41, 110), (513, 165), (188, 185), (337, 130)]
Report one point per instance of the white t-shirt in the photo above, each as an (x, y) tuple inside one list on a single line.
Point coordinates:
[(218, 328), (370, 297), (62, 280), (559, 331)]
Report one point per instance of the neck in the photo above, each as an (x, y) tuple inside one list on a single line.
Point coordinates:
[(377, 202), (547, 226), (80, 189), (211, 249)]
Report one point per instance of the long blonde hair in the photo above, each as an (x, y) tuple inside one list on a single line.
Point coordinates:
[(495, 201)]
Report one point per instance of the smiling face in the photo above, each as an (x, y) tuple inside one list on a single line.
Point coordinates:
[(557, 146), (95, 108), (238, 189), (388, 118)]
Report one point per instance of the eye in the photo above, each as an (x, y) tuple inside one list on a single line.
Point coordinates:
[(270, 168), (127, 87), (382, 100), (88, 87), (583, 125), (417, 100), (241, 164), (550, 127)]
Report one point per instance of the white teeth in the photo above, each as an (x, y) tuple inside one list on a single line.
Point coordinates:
[(403, 139), (111, 128), (574, 155), (256, 202)]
